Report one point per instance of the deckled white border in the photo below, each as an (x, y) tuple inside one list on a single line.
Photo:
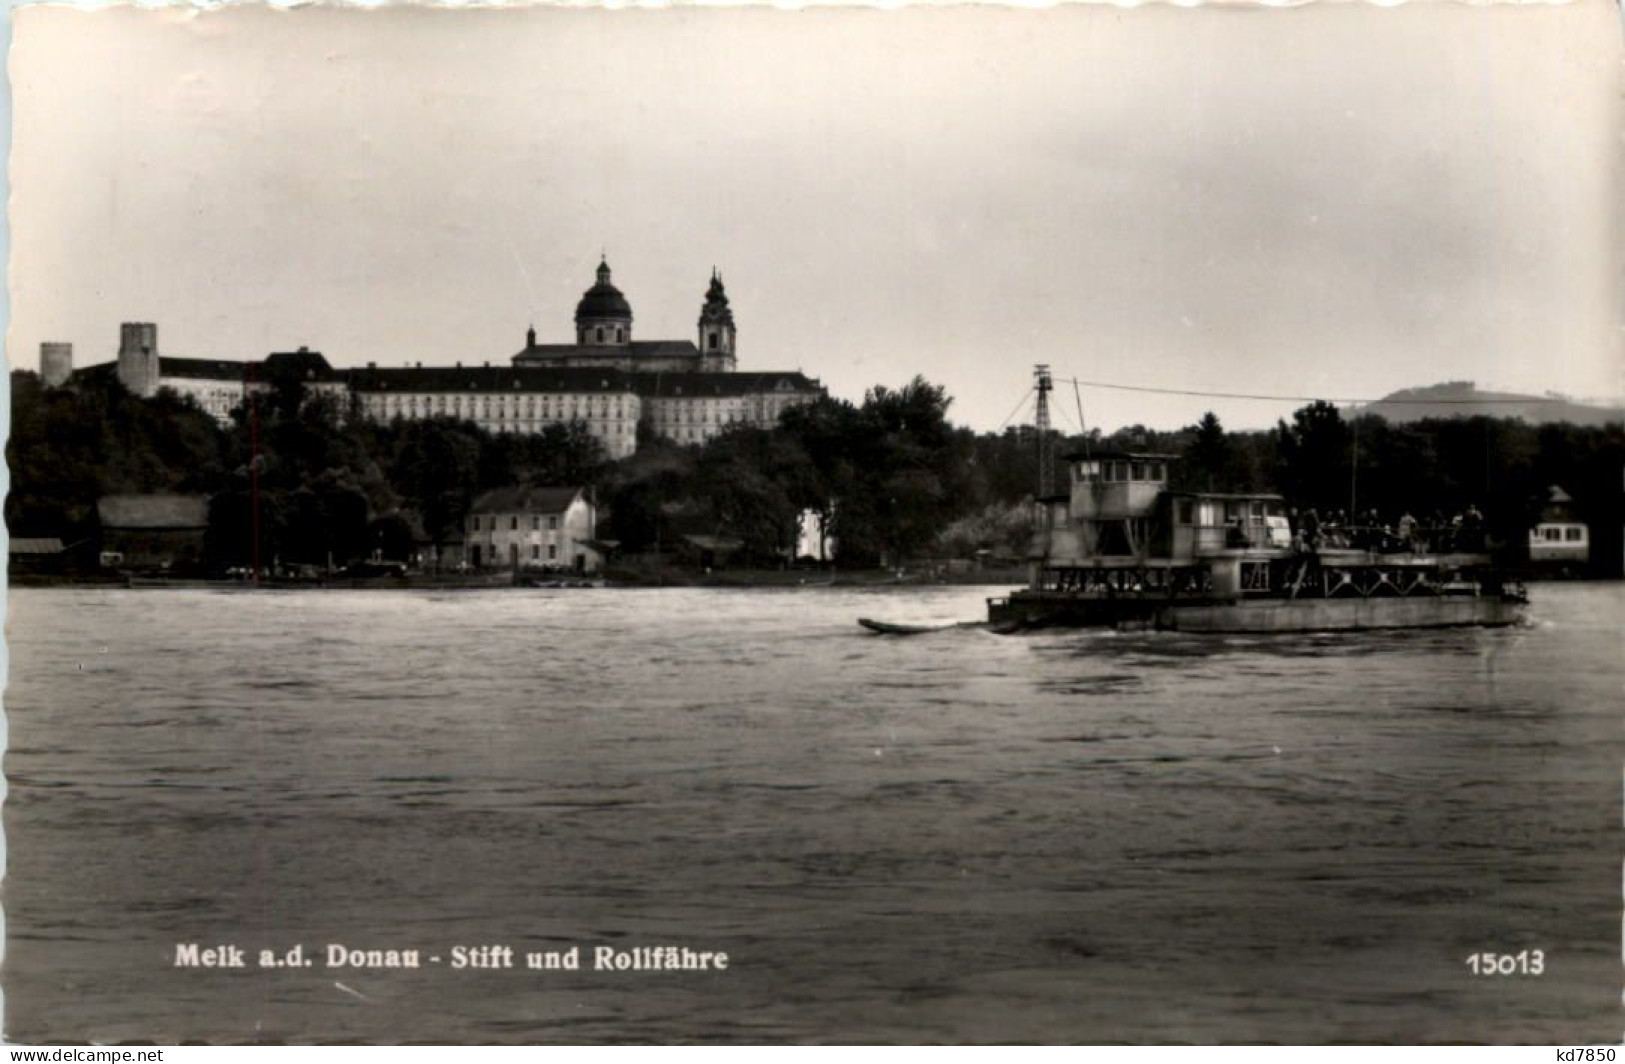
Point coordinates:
[(202, 6)]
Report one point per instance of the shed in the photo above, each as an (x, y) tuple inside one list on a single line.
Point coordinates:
[(152, 531)]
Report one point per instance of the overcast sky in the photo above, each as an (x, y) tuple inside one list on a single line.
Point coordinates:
[(1335, 200)]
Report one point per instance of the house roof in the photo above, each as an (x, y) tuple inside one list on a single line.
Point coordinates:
[(96, 373), (720, 543), (680, 385), (209, 369), (525, 500), (1231, 496), (1132, 456), (153, 511), (490, 379), (197, 369), (637, 349), (40, 545), (534, 376), (303, 364)]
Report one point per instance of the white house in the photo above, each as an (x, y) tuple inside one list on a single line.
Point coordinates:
[(539, 528)]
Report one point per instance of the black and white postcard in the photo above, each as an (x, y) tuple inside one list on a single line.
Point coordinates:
[(728, 524)]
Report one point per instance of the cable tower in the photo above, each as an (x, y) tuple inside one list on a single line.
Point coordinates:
[(1046, 441)]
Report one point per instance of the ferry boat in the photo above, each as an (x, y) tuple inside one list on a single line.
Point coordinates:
[(1120, 549)]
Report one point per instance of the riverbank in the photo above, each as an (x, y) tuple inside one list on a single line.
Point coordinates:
[(613, 577), (672, 576)]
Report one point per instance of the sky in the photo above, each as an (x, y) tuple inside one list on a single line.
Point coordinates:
[(1334, 200)]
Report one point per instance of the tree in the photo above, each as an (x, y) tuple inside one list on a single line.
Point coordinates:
[(1208, 457), (1314, 455)]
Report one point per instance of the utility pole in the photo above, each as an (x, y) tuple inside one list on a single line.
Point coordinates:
[(252, 397), (1046, 446), (1046, 467), (1354, 474)]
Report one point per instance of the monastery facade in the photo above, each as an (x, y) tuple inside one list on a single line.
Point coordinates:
[(687, 391)]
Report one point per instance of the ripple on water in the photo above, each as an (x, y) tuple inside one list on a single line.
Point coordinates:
[(958, 836)]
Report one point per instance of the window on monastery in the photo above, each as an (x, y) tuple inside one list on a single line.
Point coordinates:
[(600, 335), (711, 341), (513, 524), (535, 522), (476, 521), (1574, 535), (552, 551), (620, 335), (535, 550), (552, 522)]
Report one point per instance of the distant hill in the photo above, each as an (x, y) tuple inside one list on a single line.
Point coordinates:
[(1463, 399)]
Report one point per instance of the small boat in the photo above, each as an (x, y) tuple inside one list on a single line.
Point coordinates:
[(887, 628)]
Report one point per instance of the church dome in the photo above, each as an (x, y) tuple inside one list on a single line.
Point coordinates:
[(603, 300)]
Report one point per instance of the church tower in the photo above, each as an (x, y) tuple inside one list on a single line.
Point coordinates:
[(717, 332), (603, 317)]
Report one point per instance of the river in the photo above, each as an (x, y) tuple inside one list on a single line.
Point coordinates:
[(1064, 836)]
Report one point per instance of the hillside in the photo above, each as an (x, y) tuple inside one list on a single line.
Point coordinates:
[(1463, 399)]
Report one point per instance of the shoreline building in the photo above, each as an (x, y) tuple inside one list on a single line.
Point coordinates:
[(685, 390), (551, 529), (1560, 542)]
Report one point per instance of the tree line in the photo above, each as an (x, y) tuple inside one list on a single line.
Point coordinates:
[(890, 478)]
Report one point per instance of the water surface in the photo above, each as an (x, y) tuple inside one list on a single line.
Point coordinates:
[(1069, 836)]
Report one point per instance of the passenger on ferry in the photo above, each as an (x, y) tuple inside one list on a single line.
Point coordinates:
[(1311, 529), (1472, 529), (1407, 532), (1437, 531), (1333, 530), (1377, 533)]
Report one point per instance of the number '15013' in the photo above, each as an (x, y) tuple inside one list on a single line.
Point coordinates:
[(1528, 962)]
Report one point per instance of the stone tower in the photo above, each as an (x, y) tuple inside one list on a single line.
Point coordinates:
[(717, 332), (603, 317), (55, 363), (138, 358)]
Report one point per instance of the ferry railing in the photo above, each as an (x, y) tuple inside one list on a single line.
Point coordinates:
[(1386, 539)]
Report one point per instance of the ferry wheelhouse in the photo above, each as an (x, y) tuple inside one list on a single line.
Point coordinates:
[(1120, 548)]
